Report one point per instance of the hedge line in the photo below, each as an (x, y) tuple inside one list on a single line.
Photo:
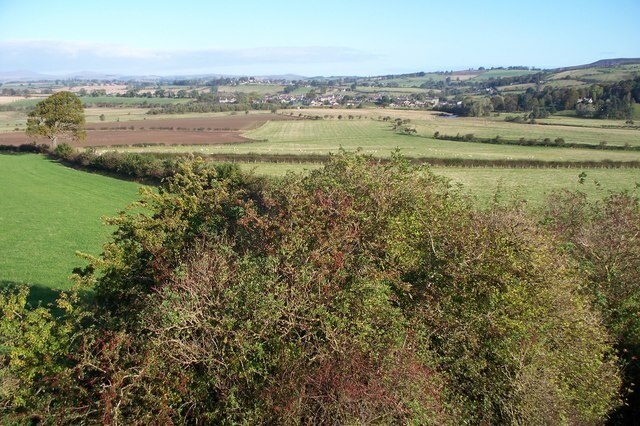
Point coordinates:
[(157, 166), (435, 161), (547, 142)]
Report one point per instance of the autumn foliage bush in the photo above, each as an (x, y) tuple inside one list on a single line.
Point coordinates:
[(603, 238), (362, 293)]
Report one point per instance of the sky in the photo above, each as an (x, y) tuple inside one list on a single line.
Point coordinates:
[(328, 37)]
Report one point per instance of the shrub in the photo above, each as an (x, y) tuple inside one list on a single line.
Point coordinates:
[(363, 291), (604, 239), (63, 151), (34, 346)]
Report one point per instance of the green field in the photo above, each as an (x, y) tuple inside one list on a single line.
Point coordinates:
[(600, 74), (9, 120), (391, 90), (114, 100), (260, 89), (118, 100), (489, 74), (377, 138), (47, 213), (532, 185)]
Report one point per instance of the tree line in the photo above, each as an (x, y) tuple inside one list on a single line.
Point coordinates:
[(607, 101)]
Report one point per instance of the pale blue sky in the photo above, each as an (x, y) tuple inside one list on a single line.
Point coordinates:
[(310, 38)]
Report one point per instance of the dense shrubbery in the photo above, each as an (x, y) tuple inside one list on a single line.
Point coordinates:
[(134, 165), (557, 142), (604, 237), (210, 106), (25, 147), (364, 293)]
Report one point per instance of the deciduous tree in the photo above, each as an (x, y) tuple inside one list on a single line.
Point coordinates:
[(59, 115)]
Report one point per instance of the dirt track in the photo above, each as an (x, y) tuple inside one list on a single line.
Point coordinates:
[(184, 131)]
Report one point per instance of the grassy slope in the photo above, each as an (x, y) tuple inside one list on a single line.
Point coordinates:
[(47, 212), (502, 73)]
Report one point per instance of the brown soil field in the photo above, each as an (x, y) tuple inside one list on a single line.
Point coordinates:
[(179, 131), (226, 123), (167, 137), (131, 137)]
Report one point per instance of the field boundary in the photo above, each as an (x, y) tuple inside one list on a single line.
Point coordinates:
[(441, 162)]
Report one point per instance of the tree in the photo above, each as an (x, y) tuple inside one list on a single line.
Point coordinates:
[(59, 115)]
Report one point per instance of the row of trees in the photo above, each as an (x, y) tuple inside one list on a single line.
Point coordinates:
[(597, 101), (360, 293)]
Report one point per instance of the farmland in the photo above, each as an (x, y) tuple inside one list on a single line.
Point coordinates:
[(168, 130), (261, 89), (47, 213), (379, 139), (341, 233)]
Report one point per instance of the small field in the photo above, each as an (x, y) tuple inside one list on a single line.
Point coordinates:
[(10, 99), (483, 184), (600, 74), (489, 74), (47, 213), (125, 101), (260, 89), (534, 185)]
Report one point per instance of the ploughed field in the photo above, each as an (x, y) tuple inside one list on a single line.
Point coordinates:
[(167, 131)]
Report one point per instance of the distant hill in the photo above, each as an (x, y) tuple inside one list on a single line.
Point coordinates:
[(476, 74), (602, 63)]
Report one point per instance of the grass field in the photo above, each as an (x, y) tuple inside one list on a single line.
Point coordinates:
[(377, 138), (391, 90), (534, 185), (116, 100), (591, 131), (9, 120), (260, 89), (482, 184), (600, 74), (489, 74), (47, 212)]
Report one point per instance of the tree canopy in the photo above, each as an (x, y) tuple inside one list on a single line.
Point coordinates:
[(59, 115)]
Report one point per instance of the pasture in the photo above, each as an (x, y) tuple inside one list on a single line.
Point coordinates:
[(496, 73), (47, 213), (377, 138), (260, 89), (534, 185), (600, 74), (133, 101), (483, 184)]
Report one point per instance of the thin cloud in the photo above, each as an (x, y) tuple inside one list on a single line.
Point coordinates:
[(63, 56)]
